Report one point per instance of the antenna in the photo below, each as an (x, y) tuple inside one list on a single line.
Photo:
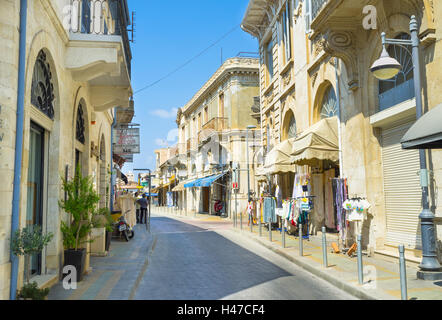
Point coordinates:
[(132, 31)]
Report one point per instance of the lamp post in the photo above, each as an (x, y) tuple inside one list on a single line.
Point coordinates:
[(387, 67), (248, 172)]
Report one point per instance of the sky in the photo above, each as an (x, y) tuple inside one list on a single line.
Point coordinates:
[(167, 35)]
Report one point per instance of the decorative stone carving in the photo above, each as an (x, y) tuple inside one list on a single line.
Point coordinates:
[(318, 45), (341, 44), (286, 78)]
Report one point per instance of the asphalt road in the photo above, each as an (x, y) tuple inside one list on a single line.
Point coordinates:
[(192, 259)]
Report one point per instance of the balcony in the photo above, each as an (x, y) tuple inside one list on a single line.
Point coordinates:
[(215, 125), (99, 52), (192, 144), (401, 93), (182, 148), (317, 6)]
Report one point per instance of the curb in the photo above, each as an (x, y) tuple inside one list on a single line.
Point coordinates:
[(358, 293)]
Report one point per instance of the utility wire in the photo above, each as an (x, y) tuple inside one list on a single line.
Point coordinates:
[(187, 62)]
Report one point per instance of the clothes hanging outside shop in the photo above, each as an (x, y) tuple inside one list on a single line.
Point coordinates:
[(269, 209)]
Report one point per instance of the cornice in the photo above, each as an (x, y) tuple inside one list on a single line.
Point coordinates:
[(229, 68)]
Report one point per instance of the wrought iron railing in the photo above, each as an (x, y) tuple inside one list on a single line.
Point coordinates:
[(212, 126), (316, 6), (101, 17)]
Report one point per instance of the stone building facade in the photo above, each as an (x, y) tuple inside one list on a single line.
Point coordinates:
[(76, 71), (212, 130), (315, 62)]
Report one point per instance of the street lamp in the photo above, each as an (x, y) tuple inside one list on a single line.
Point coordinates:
[(248, 174), (385, 68), (248, 169)]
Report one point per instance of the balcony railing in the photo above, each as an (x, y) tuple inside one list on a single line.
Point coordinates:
[(101, 17), (212, 126), (316, 6), (401, 93), (182, 149), (192, 144)]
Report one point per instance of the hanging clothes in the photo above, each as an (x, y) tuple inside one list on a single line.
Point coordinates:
[(317, 216), (328, 199), (269, 209)]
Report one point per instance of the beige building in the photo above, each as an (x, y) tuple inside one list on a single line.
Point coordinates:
[(315, 61), (212, 138), (76, 71)]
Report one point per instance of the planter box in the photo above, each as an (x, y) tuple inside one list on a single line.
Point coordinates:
[(98, 246), (76, 258)]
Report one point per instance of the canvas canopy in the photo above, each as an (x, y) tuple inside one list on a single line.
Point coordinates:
[(426, 133), (278, 159), (319, 142)]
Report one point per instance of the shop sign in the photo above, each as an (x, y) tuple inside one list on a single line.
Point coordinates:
[(127, 140)]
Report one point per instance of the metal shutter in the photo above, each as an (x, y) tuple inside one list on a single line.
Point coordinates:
[(401, 189)]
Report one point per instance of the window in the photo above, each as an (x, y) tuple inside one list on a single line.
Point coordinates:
[(401, 87), (80, 127), (329, 106), (269, 61), (221, 105), (285, 23), (206, 114), (199, 122), (42, 89)]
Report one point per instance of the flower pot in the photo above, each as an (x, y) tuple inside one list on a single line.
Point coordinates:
[(108, 240), (76, 258)]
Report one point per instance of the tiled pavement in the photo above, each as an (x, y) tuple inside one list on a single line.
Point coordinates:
[(119, 275), (381, 276), (114, 277)]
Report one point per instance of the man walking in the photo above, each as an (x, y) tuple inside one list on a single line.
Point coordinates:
[(143, 202)]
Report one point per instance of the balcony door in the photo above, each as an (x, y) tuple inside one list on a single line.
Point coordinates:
[(34, 204)]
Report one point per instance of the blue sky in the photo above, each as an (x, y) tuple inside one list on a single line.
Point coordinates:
[(168, 34)]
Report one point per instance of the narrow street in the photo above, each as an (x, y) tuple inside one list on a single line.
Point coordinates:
[(198, 259), (194, 259)]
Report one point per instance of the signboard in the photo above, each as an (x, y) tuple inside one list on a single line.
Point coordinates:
[(128, 157), (127, 140)]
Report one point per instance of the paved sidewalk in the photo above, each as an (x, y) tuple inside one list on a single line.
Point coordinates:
[(116, 276), (381, 276)]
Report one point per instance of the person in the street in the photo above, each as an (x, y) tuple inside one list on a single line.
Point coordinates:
[(137, 206), (143, 202)]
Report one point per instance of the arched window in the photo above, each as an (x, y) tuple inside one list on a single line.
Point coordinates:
[(329, 106), (80, 125), (42, 89), (291, 133), (401, 87)]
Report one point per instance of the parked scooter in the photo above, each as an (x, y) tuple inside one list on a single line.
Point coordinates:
[(121, 228)]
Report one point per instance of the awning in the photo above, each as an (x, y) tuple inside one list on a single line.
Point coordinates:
[(204, 182), (179, 186), (278, 159), (426, 133), (208, 181), (319, 142)]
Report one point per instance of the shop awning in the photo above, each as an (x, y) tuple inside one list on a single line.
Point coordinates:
[(278, 159), (426, 133), (190, 184), (208, 181), (179, 186), (319, 142)]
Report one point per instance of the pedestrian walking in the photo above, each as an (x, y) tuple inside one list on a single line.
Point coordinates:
[(143, 202), (137, 206)]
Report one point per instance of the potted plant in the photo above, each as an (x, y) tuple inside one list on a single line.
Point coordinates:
[(30, 291), (26, 242), (103, 219), (80, 203)]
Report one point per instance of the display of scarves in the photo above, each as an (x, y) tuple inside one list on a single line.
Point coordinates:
[(269, 209)]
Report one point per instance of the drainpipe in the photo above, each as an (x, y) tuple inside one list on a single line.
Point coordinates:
[(15, 219), (112, 160), (338, 91)]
